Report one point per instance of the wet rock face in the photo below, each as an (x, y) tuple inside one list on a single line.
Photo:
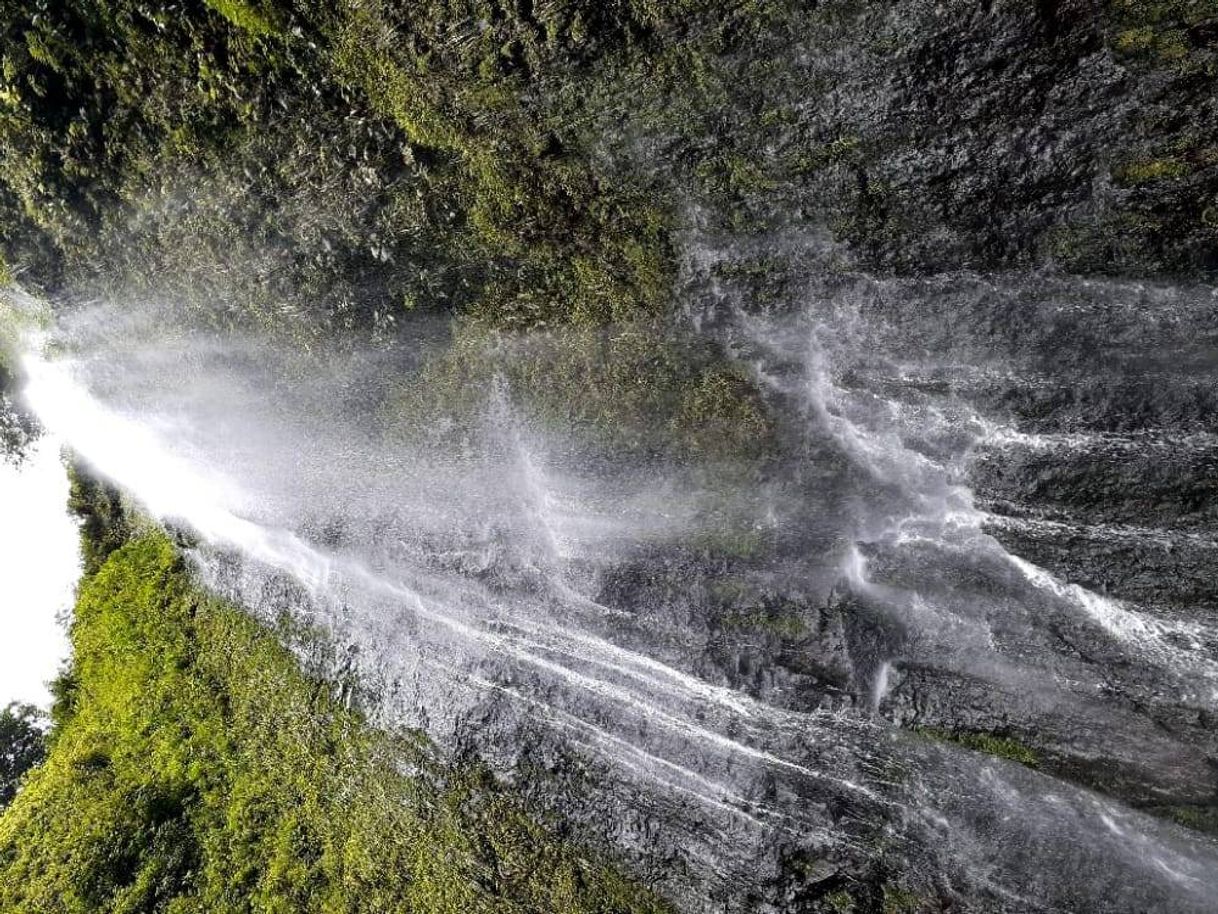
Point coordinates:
[(993, 127), (934, 136), (933, 647)]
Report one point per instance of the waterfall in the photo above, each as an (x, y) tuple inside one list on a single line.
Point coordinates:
[(475, 586)]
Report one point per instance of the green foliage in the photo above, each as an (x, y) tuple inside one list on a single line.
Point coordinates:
[(580, 249), (18, 429), (200, 771), (93, 130), (298, 159), (104, 522), (22, 747), (314, 165)]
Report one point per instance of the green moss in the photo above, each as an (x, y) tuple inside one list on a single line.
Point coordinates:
[(735, 174), (634, 388), (1006, 747), (720, 414), (198, 770), (1133, 41), (901, 901), (582, 250), (251, 17), (1122, 242), (1199, 818), (1154, 32), (1147, 170), (778, 624), (506, 204), (844, 149), (731, 536)]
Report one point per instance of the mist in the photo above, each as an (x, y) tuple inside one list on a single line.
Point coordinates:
[(507, 586)]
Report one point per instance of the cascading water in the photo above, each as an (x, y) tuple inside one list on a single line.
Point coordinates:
[(514, 596), (695, 414)]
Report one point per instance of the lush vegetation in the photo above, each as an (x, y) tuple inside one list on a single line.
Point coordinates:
[(316, 169), (22, 747), (193, 767), (17, 427), (373, 157), (319, 170), (346, 163)]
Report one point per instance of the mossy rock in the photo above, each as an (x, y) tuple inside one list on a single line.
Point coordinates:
[(995, 744)]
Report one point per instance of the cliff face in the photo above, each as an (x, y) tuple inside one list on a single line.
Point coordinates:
[(369, 157), (985, 136), (321, 171), (907, 295)]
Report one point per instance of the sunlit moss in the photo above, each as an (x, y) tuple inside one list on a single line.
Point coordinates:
[(248, 16)]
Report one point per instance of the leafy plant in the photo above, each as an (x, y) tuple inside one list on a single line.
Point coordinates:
[(22, 746)]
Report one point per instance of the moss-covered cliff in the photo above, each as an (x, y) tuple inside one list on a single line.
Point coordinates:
[(528, 162)]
